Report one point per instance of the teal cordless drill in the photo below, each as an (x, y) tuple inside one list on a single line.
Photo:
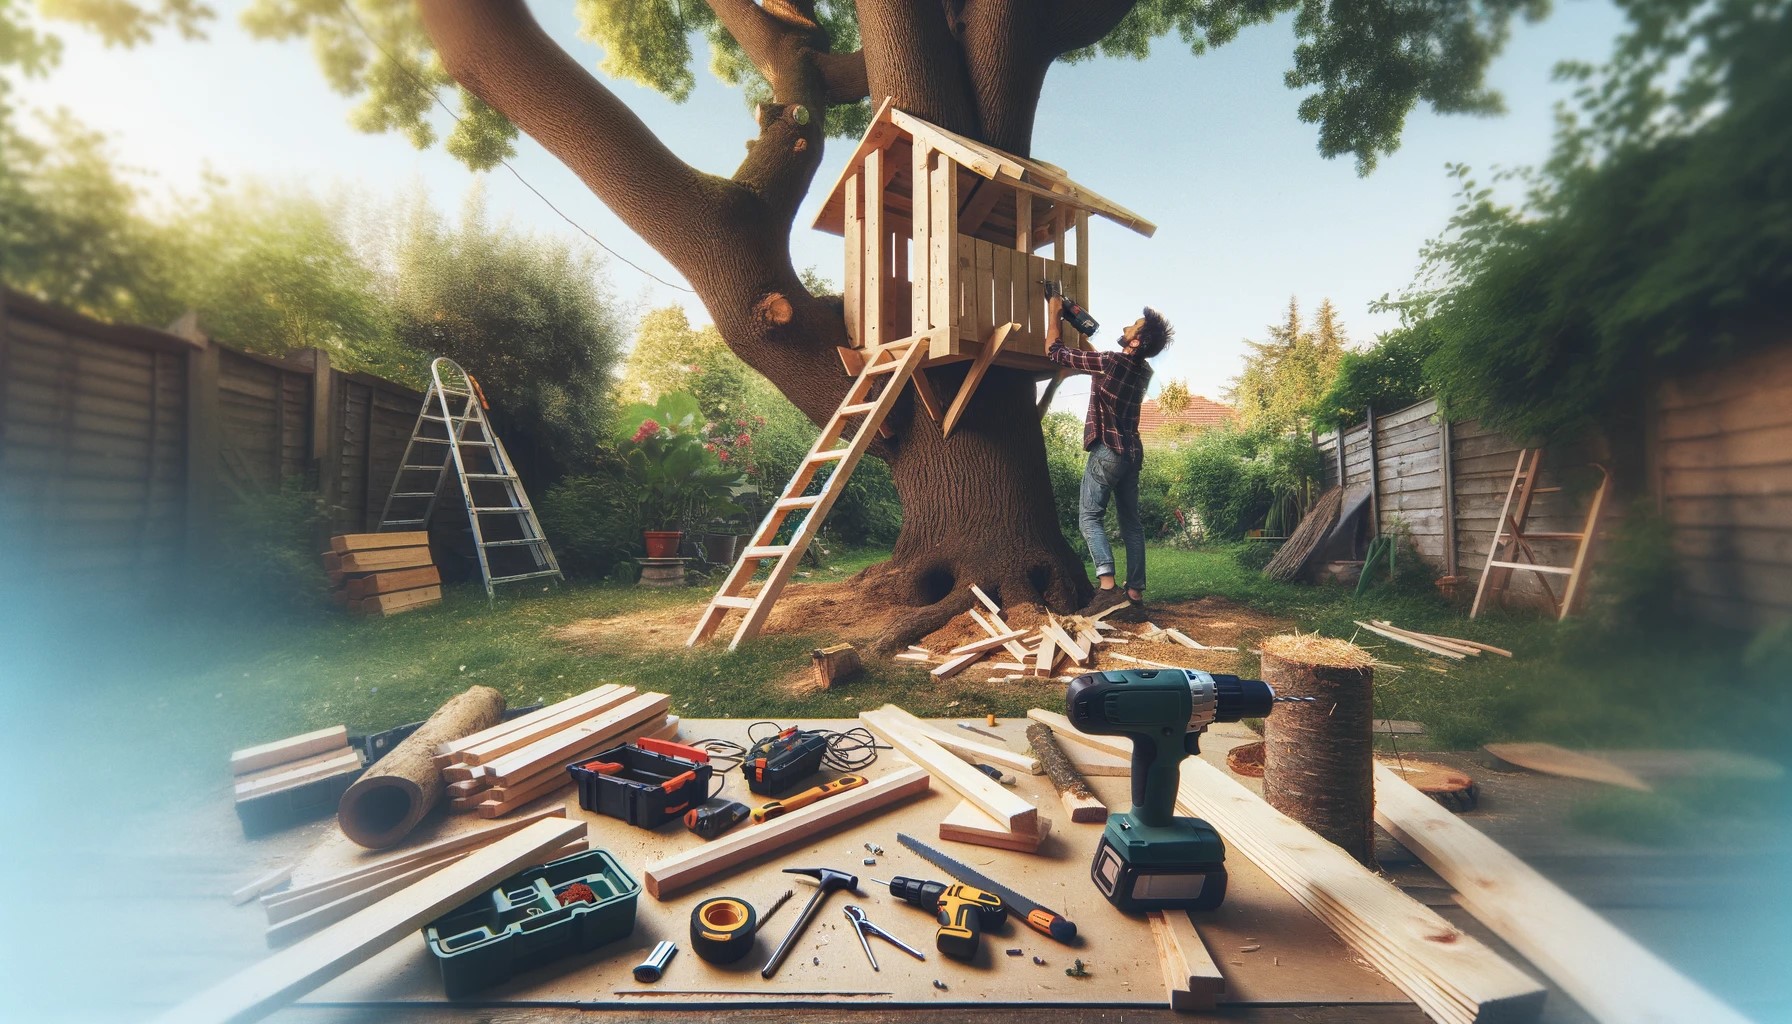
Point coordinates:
[(1150, 859)]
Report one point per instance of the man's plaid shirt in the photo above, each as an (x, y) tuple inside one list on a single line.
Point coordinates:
[(1113, 417)]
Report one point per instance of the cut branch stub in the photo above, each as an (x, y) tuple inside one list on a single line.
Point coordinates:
[(773, 308)]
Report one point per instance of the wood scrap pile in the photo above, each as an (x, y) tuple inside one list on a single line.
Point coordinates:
[(1443, 646), (1059, 647), (302, 909), (1291, 559), (498, 770), (382, 573), (287, 781)]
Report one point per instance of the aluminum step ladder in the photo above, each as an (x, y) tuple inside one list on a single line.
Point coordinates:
[(463, 442), (1511, 549), (895, 363)]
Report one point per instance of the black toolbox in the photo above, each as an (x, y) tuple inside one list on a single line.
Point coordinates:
[(645, 783), (523, 923), (777, 763)]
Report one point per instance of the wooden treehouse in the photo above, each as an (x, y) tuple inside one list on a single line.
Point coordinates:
[(949, 243)]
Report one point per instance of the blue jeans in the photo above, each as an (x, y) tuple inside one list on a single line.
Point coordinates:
[(1108, 473)]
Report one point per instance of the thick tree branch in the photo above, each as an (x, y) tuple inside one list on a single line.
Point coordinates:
[(768, 40), (912, 55), (1008, 51), (843, 76), (1078, 23), (501, 54)]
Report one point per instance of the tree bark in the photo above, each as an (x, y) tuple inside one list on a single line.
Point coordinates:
[(976, 509), (382, 807)]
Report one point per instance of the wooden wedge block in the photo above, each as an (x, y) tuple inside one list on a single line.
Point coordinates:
[(1194, 980), (342, 544), (673, 875), (1607, 972), (971, 750), (264, 987), (968, 824), (392, 581), (1005, 806), (293, 748), (401, 601), (386, 558), (559, 746)]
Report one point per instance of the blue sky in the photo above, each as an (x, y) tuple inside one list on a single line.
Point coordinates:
[(1209, 148)]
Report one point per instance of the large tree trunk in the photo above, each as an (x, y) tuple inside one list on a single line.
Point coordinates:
[(977, 509)]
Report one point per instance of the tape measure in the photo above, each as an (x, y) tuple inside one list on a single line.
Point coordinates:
[(722, 929)]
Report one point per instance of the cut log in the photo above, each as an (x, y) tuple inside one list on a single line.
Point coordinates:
[(294, 748), (385, 803), (968, 824), (836, 664), (264, 987), (1079, 800), (1607, 972), (1317, 756), (670, 876), (1007, 807)]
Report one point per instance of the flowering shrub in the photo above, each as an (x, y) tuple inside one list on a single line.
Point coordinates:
[(678, 475)]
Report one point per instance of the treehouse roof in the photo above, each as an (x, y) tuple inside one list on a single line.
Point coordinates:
[(893, 129)]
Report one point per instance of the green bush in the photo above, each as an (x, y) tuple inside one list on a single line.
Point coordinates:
[(1232, 478), (592, 521), (265, 548)]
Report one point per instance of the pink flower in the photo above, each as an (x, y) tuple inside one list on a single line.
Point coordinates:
[(648, 429), (743, 439), (721, 456)]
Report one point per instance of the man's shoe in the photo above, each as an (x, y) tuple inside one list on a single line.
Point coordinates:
[(1103, 600)]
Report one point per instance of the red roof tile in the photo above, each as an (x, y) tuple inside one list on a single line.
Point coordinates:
[(1201, 414)]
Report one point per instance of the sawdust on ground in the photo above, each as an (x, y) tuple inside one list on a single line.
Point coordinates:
[(830, 609)]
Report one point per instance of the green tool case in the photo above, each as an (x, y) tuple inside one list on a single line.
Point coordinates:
[(522, 924)]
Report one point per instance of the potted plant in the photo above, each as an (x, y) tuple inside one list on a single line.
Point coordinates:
[(675, 475)]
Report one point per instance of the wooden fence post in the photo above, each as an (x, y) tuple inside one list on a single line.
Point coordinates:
[(202, 432), (1449, 494), (1374, 472)]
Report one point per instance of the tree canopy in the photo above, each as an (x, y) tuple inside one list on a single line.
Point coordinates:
[(1284, 376)]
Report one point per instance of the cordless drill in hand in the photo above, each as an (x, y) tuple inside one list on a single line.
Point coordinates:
[(1150, 859), (1071, 312)]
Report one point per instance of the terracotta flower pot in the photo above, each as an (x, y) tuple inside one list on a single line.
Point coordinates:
[(661, 543)]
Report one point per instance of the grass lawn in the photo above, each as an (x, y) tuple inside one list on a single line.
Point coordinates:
[(224, 687)]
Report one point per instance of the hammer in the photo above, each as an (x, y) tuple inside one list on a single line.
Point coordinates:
[(828, 880)]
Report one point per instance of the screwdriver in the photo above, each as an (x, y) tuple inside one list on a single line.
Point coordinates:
[(963, 911)]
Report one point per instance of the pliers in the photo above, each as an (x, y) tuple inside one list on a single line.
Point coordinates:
[(861, 925)]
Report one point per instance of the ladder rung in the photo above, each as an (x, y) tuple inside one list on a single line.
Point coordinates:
[(1546, 490), (429, 440), (498, 511), (526, 576), (432, 469), (513, 543), (455, 419), (491, 476), (457, 394), (767, 551), (834, 455), (807, 501), (722, 601), (413, 494), (854, 410), (401, 522), (475, 444), (1549, 535), (1559, 570), (888, 366)]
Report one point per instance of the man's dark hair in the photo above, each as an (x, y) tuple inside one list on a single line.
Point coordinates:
[(1155, 335)]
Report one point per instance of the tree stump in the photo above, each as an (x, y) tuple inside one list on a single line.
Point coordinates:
[(1318, 758), (836, 664), (382, 807)]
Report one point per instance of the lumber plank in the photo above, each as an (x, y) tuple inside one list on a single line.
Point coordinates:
[(988, 643), (1193, 979), (1006, 807), (992, 347), (272, 880), (1460, 648), (259, 990), (342, 544), (385, 558), (428, 851), (604, 699), (1095, 763), (1142, 661), (556, 746), (670, 876), (1553, 760), (446, 750), (347, 761), (1062, 729), (1449, 974), (968, 824), (501, 800), (398, 601), (1608, 973), (392, 581), (292, 748), (290, 767), (1430, 648), (977, 592), (993, 625), (1078, 653), (971, 750), (956, 665)]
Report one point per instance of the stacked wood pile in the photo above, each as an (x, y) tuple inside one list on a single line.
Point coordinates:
[(382, 573), (300, 910), (1449, 647), (277, 782), (497, 770), (1057, 648)]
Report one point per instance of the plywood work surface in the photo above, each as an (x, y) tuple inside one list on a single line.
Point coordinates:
[(1296, 961)]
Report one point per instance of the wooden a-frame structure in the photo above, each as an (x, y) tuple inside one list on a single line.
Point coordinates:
[(943, 239)]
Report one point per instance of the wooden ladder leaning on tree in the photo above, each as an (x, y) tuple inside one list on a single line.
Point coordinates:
[(896, 364), (1511, 540)]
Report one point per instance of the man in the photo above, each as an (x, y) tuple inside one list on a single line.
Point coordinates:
[(1111, 437)]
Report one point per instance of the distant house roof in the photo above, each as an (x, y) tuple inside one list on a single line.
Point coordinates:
[(1201, 414)]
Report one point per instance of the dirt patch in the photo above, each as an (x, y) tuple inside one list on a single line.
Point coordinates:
[(652, 629), (833, 610)]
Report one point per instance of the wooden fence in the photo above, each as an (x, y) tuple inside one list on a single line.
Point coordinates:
[(119, 444), (1719, 448)]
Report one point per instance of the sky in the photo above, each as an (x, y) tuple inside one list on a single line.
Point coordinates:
[(1209, 148)]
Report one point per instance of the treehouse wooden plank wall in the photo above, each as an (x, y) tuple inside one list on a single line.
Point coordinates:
[(945, 232)]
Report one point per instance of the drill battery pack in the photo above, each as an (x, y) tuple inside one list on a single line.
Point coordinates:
[(777, 763), (645, 783)]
